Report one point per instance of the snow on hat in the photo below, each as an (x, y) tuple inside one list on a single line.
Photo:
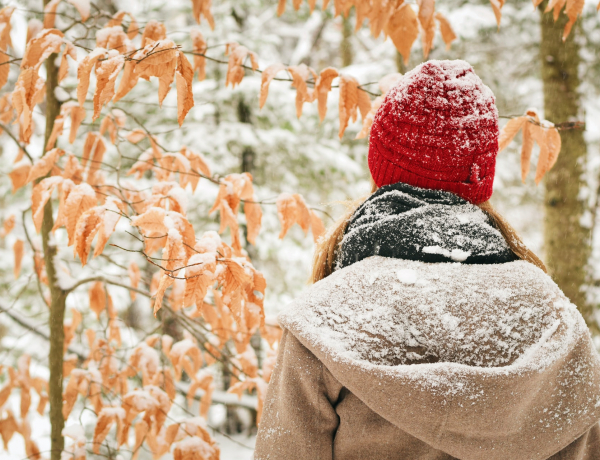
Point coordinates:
[(437, 129)]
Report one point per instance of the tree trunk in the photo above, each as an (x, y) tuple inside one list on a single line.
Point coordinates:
[(57, 295), (346, 45), (566, 240)]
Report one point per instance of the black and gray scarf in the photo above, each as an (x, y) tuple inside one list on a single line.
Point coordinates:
[(405, 222)]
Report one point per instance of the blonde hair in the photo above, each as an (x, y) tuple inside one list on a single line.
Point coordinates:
[(326, 249)]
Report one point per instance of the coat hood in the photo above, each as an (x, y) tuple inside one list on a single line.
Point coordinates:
[(479, 361)]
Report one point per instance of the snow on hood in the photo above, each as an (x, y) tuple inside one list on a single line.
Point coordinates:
[(479, 361)]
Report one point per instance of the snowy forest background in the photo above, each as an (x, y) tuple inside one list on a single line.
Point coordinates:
[(287, 154)]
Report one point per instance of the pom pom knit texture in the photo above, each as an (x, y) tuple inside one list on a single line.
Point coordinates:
[(437, 129)]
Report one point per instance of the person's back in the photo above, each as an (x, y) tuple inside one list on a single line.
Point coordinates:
[(431, 332)]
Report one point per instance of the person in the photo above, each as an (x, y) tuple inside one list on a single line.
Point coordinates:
[(431, 331)]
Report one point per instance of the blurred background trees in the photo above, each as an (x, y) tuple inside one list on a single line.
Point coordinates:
[(525, 62)]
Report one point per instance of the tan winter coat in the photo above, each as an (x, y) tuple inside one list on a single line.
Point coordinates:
[(398, 359)]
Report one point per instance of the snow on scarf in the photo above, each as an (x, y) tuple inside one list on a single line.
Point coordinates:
[(405, 222)]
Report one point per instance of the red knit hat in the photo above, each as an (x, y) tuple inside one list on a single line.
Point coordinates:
[(437, 129)]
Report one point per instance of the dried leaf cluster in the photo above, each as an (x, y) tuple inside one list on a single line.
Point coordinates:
[(543, 133), (395, 18)]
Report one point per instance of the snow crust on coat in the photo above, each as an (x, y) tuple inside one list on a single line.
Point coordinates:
[(479, 361)]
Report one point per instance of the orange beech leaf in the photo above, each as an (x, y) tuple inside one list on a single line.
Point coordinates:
[(8, 226), (8, 427), (202, 380), (114, 331), (50, 13), (110, 217), (265, 80), (69, 363), (70, 326), (248, 362), (128, 80), (57, 130), (136, 135), (364, 103), (286, 211), (497, 7), (179, 351), (41, 46), (158, 59), (5, 392), (195, 448), (82, 7), (557, 6), (253, 213), (108, 125), (84, 69), (39, 197), (361, 9), (43, 166), (19, 175), (117, 20), (379, 16), (134, 278), (107, 417), (154, 31), (141, 429), (281, 7), (106, 76), (302, 213), (97, 296), (165, 282), (446, 29), (174, 255), (200, 275), (28, 91), (5, 26), (202, 8), (34, 26), (18, 253), (229, 219), (300, 74), (369, 118), (573, 9), (548, 138), (199, 47), (63, 69), (87, 227), (426, 19), (6, 115), (153, 220), (252, 383), (77, 115), (4, 68), (145, 360), (322, 88), (184, 75), (316, 224), (509, 131), (80, 199), (403, 29), (233, 189), (235, 70), (198, 165), (113, 38), (348, 105), (78, 382), (528, 141), (66, 186)]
